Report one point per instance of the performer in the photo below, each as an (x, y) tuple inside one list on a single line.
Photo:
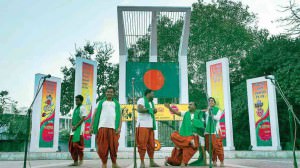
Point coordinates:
[(186, 140), (106, 124), (145, 127), (76, 142), (215, 132)]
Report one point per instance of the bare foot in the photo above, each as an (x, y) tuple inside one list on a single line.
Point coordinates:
[(166, 161), (115, 165), (222, 164), (104, 166), (74, 164), (215, 164), (80, 162), (153, 164), (183, 165), (142, 165), (193, 143)]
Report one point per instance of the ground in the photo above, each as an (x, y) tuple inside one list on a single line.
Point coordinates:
[(232, 163)]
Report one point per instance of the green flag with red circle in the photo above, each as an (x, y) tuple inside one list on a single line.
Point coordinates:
[(162, 78)]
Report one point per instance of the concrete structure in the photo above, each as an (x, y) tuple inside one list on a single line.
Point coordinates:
[(37, 116), (270, 101), (218, 86), (135, 22)]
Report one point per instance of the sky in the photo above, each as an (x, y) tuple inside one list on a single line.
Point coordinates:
[(39, 36)]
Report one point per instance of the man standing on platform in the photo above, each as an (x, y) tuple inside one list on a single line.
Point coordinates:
[(146, 124), (213, 129), (106, 124), (186, 141), (76, 141)]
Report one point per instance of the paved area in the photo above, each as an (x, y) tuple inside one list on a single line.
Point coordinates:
[(126, 163)]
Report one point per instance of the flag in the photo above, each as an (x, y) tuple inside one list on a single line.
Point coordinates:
[(162, 78)]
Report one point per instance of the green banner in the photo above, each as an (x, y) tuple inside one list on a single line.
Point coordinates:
[(163, 78)]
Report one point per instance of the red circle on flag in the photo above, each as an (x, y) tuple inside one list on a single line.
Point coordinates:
[(154, 79)]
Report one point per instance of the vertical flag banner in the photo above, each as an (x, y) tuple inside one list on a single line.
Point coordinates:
[(218, 87), (45, 116), (262, 112), (85, 84)]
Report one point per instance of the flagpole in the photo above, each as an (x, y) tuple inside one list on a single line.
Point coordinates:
[(133, 121)]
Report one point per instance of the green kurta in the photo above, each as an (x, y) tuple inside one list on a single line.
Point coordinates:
[(150, 111), (189, 126), (212, 122), (75, 119)]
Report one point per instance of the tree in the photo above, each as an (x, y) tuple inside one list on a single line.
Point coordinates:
[(7, 102), (107, 73), (292, 21), (278, 56)]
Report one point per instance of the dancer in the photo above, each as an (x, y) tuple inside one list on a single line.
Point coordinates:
[(76, 142), (146, 125), (215, 132), (106, 124), (186, 141)]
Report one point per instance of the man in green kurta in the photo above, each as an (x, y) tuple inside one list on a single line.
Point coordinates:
[(213, 129), (187, 139), (76, 141)]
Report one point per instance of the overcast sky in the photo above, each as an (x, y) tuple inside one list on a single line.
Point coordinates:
[(39, 36)]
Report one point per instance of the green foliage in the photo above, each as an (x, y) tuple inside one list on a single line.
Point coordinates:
[(107, 73), (278, 56), (64, 135)]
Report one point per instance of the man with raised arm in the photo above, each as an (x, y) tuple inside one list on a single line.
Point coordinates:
[(106, 124), (186, 141), (146, 124)]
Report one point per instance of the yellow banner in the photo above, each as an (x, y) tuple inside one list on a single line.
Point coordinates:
[(163, 114)]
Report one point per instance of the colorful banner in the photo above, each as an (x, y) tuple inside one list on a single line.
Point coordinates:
[(87, 93), (48, 105), (163, 114), (261, 113), (217, 92)]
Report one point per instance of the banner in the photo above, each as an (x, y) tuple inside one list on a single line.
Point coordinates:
[(216, 81), (218, 87), (263, 114), (45, 115), (163, 78), (85, 84), (163, 114)]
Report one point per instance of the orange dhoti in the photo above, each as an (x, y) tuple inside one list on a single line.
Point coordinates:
[(217, 147), (76, 148), (107, 141), (145, 142), (183, 150)]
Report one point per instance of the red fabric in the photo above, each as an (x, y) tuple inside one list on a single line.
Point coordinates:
[(145, 142), (217, 147), (76, 148), (183, 151), (107, 140)]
